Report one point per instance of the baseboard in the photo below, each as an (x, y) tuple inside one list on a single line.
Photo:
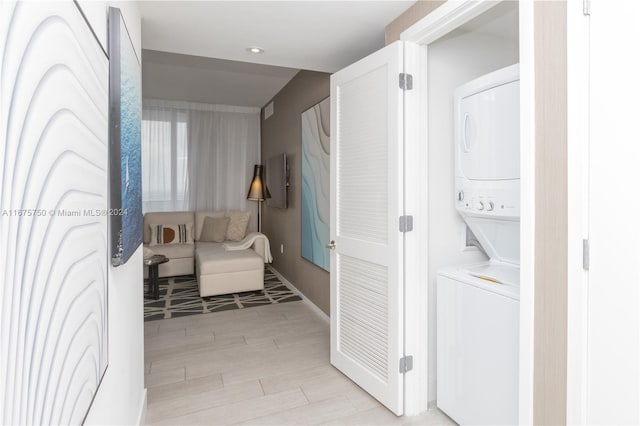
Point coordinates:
[(305, 299), (142, 414)]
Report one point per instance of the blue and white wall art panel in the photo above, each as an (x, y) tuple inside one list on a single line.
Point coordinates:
[(125, 141), (315, 184), (53, 227)]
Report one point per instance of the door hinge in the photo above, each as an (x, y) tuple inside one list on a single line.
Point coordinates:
[(406, 81), (406, 364), (585, 255), (405, 223), (586, 7)]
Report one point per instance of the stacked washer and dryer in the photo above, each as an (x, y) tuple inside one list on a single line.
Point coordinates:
[(478, 305)]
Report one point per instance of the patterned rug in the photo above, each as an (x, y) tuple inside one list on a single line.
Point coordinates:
[(179, 297)]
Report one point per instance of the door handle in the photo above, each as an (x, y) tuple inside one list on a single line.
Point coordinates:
[(466, 142), (331, 245)]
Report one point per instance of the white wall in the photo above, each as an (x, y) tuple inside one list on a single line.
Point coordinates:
[(97, 11), (452, 61), (121, 397)]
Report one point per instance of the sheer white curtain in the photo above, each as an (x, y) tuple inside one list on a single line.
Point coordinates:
[(223, 147), (211, 155), (164, 157)]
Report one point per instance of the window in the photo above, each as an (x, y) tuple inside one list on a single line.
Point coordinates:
[(164, 159), (197, 156)]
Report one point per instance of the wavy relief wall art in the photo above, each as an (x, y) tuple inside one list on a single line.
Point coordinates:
[(53, 239), (315, 184)]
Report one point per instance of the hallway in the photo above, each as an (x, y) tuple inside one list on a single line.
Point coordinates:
[(262, 365)]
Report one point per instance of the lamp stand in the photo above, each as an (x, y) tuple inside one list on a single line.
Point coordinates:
[(259, 208)]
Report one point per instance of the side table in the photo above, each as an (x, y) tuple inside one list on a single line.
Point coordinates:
[(153, 262)]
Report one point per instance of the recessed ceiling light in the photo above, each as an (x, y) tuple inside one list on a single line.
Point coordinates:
[(255, 49)]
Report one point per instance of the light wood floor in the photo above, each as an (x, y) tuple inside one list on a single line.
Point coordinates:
[(266, 365)]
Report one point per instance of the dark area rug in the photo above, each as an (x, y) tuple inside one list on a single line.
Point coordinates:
[(179, 297)]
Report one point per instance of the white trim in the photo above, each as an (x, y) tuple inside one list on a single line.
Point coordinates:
[(305, 299), (161, 103), (441, 21), (142, 412), (416, 290), (527, 211), (577, 204), (445, 19)]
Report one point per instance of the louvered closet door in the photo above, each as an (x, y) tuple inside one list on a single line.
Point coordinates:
[(366, 200)]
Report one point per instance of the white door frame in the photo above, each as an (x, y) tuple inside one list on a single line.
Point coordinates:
[(578, 208), (441, 21), (416, 289)]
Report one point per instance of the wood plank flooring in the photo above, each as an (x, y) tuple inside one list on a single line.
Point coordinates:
[(267, 365)]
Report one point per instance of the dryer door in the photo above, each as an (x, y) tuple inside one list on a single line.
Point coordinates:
[(489, 133)]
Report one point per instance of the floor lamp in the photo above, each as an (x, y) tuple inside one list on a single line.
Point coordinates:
[(258, 190)]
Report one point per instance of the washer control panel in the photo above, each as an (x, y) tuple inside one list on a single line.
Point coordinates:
[(499, 202)]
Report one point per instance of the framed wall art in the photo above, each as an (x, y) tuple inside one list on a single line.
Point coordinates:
[(125, 105), (315, 184)]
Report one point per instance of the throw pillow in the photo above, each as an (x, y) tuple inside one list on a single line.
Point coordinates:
[(147, 253), (238, 222), (214, 229), (171, 234)]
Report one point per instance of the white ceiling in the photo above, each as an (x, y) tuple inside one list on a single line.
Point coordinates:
[(214, 81), (313, 35)]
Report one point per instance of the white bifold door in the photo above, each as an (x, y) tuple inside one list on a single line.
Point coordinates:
[(367, 245)]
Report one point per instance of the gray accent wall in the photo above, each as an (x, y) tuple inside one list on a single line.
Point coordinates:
[(282, 132)]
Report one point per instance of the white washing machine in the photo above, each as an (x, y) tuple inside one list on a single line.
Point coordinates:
[(478, 305), (477, 348)]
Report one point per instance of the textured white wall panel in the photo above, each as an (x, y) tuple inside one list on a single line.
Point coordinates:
[(54, 123)]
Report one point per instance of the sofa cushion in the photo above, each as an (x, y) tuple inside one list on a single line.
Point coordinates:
[(213, 247), (169, 218), (238, 221), (174, 251), (200, 216), (214, 229), (212, 258), (171, 234)]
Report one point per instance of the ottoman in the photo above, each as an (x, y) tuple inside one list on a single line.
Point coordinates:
[(219, 271)]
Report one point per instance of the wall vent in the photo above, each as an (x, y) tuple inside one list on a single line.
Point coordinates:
[(268, 110)]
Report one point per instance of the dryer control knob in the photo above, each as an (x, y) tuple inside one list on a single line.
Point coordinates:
[(460, 195), (480, 205), (490, 206)]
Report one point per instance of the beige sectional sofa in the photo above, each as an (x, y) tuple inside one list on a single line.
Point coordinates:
[(218, 270)]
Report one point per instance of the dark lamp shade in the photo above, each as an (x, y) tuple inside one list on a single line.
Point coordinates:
[(258, 190)]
